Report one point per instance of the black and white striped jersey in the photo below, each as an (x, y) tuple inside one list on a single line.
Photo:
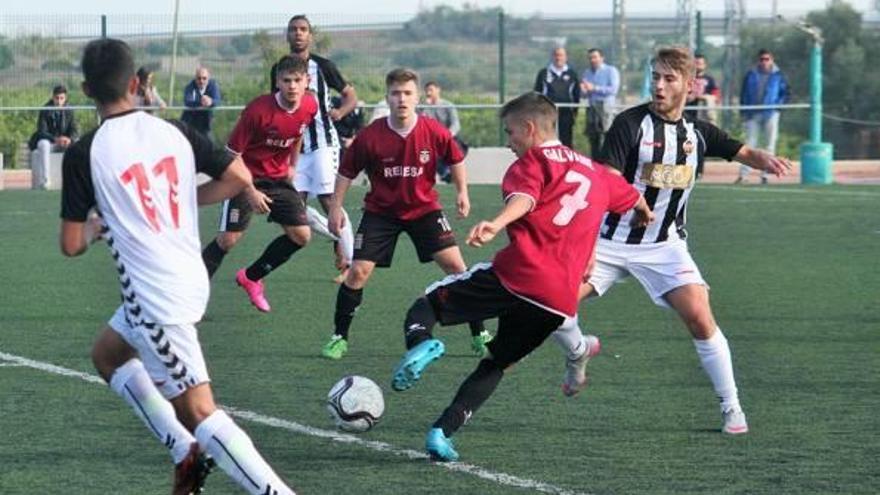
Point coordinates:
[(660, 159), (323, 76)]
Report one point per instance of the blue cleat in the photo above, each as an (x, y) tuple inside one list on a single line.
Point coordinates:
[(414, 362), (439, 447)]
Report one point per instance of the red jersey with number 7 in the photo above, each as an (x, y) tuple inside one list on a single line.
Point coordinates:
[(551, 245)]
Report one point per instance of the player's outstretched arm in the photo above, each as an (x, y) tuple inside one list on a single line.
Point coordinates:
[(459, 180), (762, 160), (515, 208), (335, 217), (643, 214), (235, 178)]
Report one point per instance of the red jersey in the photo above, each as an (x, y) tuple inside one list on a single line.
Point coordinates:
[(551, 245), (265, 133), (401, 170)]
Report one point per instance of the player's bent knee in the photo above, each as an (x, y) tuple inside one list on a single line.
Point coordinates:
[(228, 240), (110, 352), (358, 275), (194, 405), (300, 235)]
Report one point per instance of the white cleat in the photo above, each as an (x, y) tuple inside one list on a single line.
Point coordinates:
[(734, 422), (575, 378)]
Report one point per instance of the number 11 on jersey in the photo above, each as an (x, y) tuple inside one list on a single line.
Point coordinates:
[(137, 174)]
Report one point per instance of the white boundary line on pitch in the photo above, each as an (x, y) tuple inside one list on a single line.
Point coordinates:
[(292, 426), (777, 190)]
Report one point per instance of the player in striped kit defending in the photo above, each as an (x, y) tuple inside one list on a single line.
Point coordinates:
[(658, 149)]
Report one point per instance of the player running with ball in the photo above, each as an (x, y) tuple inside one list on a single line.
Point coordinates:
[(554, 203)]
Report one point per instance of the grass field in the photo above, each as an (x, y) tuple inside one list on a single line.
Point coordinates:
[(795, 276)]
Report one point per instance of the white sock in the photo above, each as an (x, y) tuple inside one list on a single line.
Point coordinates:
[(346, 238), (570, 338), (132, 382), (318, 223), (235, 453), (714, 354)]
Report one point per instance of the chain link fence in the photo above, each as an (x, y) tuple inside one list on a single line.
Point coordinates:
[(480, 57)]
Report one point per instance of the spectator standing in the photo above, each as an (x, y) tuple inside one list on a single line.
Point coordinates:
[(202, 94), (56, 130), (559, 82), (147, 95), (443, 111), (600, 83), (764, 84), (705, 93)]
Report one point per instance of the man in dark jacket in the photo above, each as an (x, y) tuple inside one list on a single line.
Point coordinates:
[(202, 94), (560, 83), (56, 130)]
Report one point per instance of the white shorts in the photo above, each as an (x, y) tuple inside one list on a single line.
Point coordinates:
[(659, 267), (316, 171), (171, 354)]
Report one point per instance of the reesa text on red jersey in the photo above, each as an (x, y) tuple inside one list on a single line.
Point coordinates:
[(551, 245), (265, 134), (401, 169)]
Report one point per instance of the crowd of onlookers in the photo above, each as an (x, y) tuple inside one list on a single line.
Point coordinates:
[(596, 88)]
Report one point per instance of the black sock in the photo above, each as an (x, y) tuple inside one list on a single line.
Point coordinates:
[(276, 254), (473, 392), (477, 327), (420, 319), (212, 256), (347, 302)]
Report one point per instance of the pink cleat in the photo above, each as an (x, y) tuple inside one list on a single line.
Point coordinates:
[(575, 378), (254, 291)]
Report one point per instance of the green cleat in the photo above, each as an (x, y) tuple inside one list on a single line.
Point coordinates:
[(335, 348), (478, 343)]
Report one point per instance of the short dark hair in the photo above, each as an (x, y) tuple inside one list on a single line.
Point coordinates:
[(107, 66), (143, 73), (288, 64), (596, 50), (401, 75), (59, 90), (531, 106), (764, 51), (432, 83), (699, 55), (299, 17)]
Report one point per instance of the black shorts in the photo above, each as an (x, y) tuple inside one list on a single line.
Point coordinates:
[(478, 295), (287, 207), (376, 236)]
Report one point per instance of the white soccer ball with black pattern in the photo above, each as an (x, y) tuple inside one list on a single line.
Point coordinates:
[(355, 403)]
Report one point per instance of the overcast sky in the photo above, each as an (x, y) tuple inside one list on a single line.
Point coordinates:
[(385, 7)]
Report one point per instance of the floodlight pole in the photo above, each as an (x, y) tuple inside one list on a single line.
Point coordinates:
[(502, 72), (173, 54), (816, 157)]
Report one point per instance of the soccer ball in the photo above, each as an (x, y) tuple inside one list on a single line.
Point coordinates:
[(355, 404)]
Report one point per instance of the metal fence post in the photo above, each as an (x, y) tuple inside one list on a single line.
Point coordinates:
[(502, 76), (103, 26)]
